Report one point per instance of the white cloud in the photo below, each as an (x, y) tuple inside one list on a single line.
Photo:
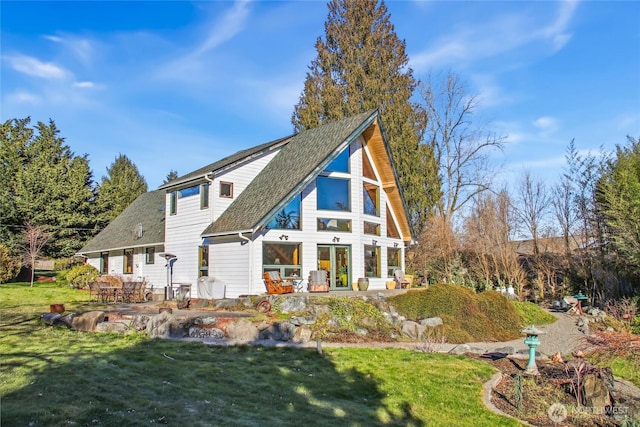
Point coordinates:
[(84, 84), (546, 123), (24, 98), (231, 23), (500, 35), (36, 68)]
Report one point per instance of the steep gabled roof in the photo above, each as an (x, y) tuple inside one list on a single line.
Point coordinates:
[(125, 230), (228, 161), (292, 169)]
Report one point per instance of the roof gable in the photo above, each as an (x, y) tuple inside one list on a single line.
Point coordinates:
[(125, 230), (229, 161), (296, 165)]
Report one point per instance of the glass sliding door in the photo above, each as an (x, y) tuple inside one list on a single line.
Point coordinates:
[(336, 260)]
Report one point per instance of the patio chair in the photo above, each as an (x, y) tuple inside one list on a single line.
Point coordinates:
[(318, 281), (95, 292), (275, 285), (401, 280), (128, 291)]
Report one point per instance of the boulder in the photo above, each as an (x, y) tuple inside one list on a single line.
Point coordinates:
[(210, 320), (243, 330), (225, 304), (115, 327), (432, 322), (301, 335), (279, 331), (302, 320), (413, 329), (293, 304), (165, 325), (139, 322), (509, 349), (465, 348), (87, 322), (215, 333), (56, 319), (595, 392)]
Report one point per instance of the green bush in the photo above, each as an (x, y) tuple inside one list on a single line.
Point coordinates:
[(467, 316), (532, 314), (9, 266), (80, 276)]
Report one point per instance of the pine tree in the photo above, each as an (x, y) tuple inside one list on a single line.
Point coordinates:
[(122, 185), (360, 66), (45, 184)]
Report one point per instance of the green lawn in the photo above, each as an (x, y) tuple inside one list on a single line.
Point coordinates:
[(52, 376)]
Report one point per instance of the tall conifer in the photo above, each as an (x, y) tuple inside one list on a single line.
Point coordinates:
[(362, 65)]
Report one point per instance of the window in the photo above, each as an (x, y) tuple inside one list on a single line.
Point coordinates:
[(340, 163), (334, 224), (288, 218), (371, 228), (392, 230), (333, 194), (189, 191), (204, 196), (367, 169), (393, 260), (173, 203), (371, 261), (226, 190), (128, 261), (104, 263), (371, 199), (150, 256), (203, 261), (282, 257)]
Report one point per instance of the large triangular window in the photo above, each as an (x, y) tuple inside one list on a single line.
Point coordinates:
[(288, 218)]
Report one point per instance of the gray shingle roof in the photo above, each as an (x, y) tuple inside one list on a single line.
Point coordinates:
[(222, 163), (148, 209), (296, 165)]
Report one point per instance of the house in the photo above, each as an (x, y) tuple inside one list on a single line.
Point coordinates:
[(323, 199)]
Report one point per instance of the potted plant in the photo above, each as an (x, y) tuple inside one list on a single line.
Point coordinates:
[(344, 275)]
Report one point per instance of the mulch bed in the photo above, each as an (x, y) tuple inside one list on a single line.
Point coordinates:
[(539, 393)]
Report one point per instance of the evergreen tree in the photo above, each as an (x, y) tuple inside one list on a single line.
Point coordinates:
[(619, 200), (44, 184), (173, 174), (119, 188), (362, 65)]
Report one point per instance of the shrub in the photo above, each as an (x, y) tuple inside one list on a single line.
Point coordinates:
[(347, 318), (467, 316), (532, 314), (80, 276), (9, 266)]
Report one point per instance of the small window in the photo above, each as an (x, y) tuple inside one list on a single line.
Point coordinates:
[(393, 260), (128, 261), (340, 163), (226, 190), (392, 230), (289, 217), (104, 263), (173, 203), (371, 198), (204, 196), (203, 261), (371, 261), (371, 228), (334, 224), (367, 169), (150, 256), (189, 191)]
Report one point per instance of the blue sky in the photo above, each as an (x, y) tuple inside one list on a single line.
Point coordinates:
[(178, 85)]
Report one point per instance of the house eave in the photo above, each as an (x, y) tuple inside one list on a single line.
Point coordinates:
[(119, 248)]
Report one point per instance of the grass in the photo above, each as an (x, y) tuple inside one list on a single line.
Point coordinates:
[(53, 376), (532, 314)]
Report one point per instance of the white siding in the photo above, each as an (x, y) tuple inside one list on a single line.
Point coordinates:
[(183, 232)]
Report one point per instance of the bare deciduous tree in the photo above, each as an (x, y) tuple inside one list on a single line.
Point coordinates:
[(34, 239), (460, 147)]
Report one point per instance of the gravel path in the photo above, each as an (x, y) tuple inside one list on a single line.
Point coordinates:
[(561, 336)]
